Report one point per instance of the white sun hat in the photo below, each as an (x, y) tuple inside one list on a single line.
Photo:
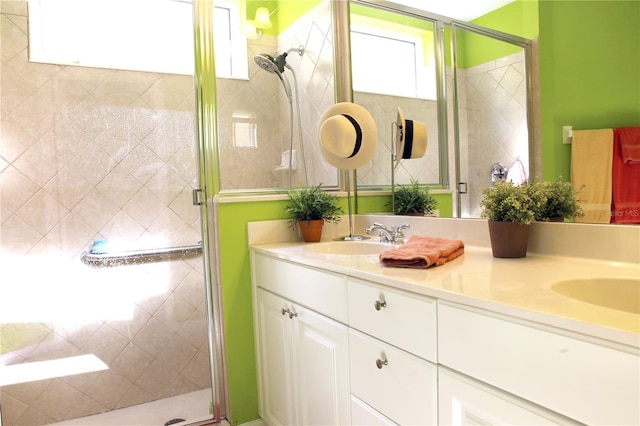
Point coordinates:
[(348, 135), (411, 138)]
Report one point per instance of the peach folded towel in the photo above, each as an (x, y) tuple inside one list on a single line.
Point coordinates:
[(422, 252), (630, 144)]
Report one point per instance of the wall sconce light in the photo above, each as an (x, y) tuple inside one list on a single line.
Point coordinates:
[(262, 20), (259, 23)]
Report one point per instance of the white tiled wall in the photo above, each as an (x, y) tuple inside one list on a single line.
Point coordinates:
[(264, 96), (493, 123), (95, 154), (385, 110)]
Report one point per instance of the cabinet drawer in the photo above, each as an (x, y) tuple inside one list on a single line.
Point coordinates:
[(402, 319), (403, 389), (463, 400), (321, 291), (580, 379), (363, 415)]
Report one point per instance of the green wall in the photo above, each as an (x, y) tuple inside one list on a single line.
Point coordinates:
[(283, 12), (518, 18), (589, 78), (395, 18), (235, 278), (589, 72)]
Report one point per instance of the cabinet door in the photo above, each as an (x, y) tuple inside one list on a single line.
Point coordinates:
[(464, 401), (322, 359), (275, 360)]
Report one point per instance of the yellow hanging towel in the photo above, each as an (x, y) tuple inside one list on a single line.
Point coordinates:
[(591, 162)]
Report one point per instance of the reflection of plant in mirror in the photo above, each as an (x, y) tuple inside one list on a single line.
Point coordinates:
[(562, 201), (311, 203), (413, 199), (506, 202)]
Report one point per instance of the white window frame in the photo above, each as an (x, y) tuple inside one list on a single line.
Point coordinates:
[(425, 77), (231, 52)]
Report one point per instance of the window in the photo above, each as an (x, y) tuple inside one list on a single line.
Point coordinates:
[(245, 130), (230, 39), (378, 72), (140, 35)]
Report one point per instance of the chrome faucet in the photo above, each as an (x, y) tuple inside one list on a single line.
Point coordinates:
[(393, 235)]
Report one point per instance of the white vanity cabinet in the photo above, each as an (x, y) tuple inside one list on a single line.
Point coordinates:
[(302, 355), (339, 349)]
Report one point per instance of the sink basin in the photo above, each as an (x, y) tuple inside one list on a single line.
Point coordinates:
[(348, 247), (622, 294)]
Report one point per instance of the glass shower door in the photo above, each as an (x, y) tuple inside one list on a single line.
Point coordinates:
[(98, 161)]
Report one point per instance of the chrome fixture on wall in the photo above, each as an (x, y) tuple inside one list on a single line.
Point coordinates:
[(498, 172), (276, 65)]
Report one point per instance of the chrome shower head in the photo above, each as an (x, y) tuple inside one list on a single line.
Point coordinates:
[(271, 64), (275, 64)]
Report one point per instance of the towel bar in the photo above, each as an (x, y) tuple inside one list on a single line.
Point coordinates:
[(149, 255)]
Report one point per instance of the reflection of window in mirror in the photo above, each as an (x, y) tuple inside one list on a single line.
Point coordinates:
[(245, 130), (150, 35), (394, 65), (403, 63)]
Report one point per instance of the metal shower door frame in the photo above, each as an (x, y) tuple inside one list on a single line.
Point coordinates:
[(208, 183)]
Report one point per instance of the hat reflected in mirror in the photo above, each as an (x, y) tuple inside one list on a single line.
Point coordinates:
[(411, 139)]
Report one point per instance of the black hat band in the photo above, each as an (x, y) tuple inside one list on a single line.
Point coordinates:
[(358, 130), (408, 139)]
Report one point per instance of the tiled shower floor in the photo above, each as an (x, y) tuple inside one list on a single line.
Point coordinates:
[(192, 407)]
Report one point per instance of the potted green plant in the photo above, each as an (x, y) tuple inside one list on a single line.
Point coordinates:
[(510, 210), (413, 199), (309, 208), (562, 201)]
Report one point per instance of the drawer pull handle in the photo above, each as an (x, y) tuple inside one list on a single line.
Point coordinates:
[(380, 304), (381, 363), (285, 311)]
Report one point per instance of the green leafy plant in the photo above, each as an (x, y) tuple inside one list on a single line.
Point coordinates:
[(310, 203), (506, 202), (413, 198), (562, 201)]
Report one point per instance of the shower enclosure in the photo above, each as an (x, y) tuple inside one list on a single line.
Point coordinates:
[(100, 160)]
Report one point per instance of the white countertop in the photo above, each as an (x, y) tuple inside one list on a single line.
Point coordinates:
[(519, 288)]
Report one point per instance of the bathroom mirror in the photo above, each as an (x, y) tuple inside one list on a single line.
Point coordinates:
[(476, 112), (268, 124)]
